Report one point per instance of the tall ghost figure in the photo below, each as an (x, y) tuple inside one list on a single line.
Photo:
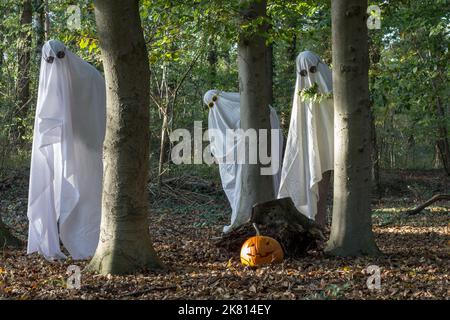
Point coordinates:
[(310, 145), (64, 200), (224, 116)]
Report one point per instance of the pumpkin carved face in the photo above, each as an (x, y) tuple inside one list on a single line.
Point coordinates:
[(261, 250)]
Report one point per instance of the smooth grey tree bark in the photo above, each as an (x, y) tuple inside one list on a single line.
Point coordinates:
[(125, 245), (351, 230), (255, 89)]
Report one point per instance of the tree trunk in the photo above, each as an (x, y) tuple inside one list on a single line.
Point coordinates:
[(23, 74), (442, 142), (292, 49), (254, 85), (2, 36), (166, 113), (163, 145), (39, 6), (125, 245), (437, 160), (375, 155), (46, 21), (212, 62), (351, 230), (270, 65), (375, 158)]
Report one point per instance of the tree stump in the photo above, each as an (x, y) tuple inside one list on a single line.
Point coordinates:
[(280, 220)]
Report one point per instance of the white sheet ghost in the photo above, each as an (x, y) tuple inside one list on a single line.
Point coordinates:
[(64, 201), (310, 143), (224, 114)]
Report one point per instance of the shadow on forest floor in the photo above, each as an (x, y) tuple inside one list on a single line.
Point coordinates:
[(415, 263)]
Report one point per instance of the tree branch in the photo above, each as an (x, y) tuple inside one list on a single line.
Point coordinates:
[(430, 201)]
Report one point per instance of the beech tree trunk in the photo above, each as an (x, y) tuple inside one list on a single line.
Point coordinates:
[(254, 85), (351, 230), (125, 245)]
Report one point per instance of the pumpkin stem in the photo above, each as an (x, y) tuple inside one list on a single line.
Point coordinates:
[(256, 228)]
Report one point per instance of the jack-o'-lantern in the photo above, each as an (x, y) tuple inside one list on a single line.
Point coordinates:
[(261, 250)]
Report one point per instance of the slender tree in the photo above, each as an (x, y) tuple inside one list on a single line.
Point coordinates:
[(442, 143), (351, 230), (125, 245), (212, 59), (39, 9), (46, 21), (24, 55), (255, 89), (2, 37)]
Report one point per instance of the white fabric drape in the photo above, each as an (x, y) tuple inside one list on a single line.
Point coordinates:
[(310, 142), (64, 201), (223, 116)]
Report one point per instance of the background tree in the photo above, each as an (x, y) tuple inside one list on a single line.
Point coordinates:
[(24, 65), (405, 87), (42, 23), (409, 86), (125, 245), (351, 230)]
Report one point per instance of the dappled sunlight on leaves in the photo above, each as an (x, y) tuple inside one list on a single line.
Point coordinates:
[(415, 264)]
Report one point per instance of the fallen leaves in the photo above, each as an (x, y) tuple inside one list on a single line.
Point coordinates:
[(415, 264)]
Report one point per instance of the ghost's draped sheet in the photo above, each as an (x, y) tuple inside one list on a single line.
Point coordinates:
[(310, 143), (64, 201), (224, 114)]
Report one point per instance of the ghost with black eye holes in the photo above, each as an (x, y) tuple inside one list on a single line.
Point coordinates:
[(310, 146), (60, 54)]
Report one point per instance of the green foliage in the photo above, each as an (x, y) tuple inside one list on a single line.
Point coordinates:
[(192, 47), (410, 78), (313, 94)]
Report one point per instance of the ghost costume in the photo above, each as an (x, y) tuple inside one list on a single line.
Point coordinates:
[(224, 115), (310, 146), (64, 200)]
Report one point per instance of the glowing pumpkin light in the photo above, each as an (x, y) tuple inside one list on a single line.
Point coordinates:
[(261, 250)]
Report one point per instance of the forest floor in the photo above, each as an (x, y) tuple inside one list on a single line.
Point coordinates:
[(190, 211)]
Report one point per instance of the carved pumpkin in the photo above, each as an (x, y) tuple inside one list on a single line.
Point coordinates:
[(261, 250)]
